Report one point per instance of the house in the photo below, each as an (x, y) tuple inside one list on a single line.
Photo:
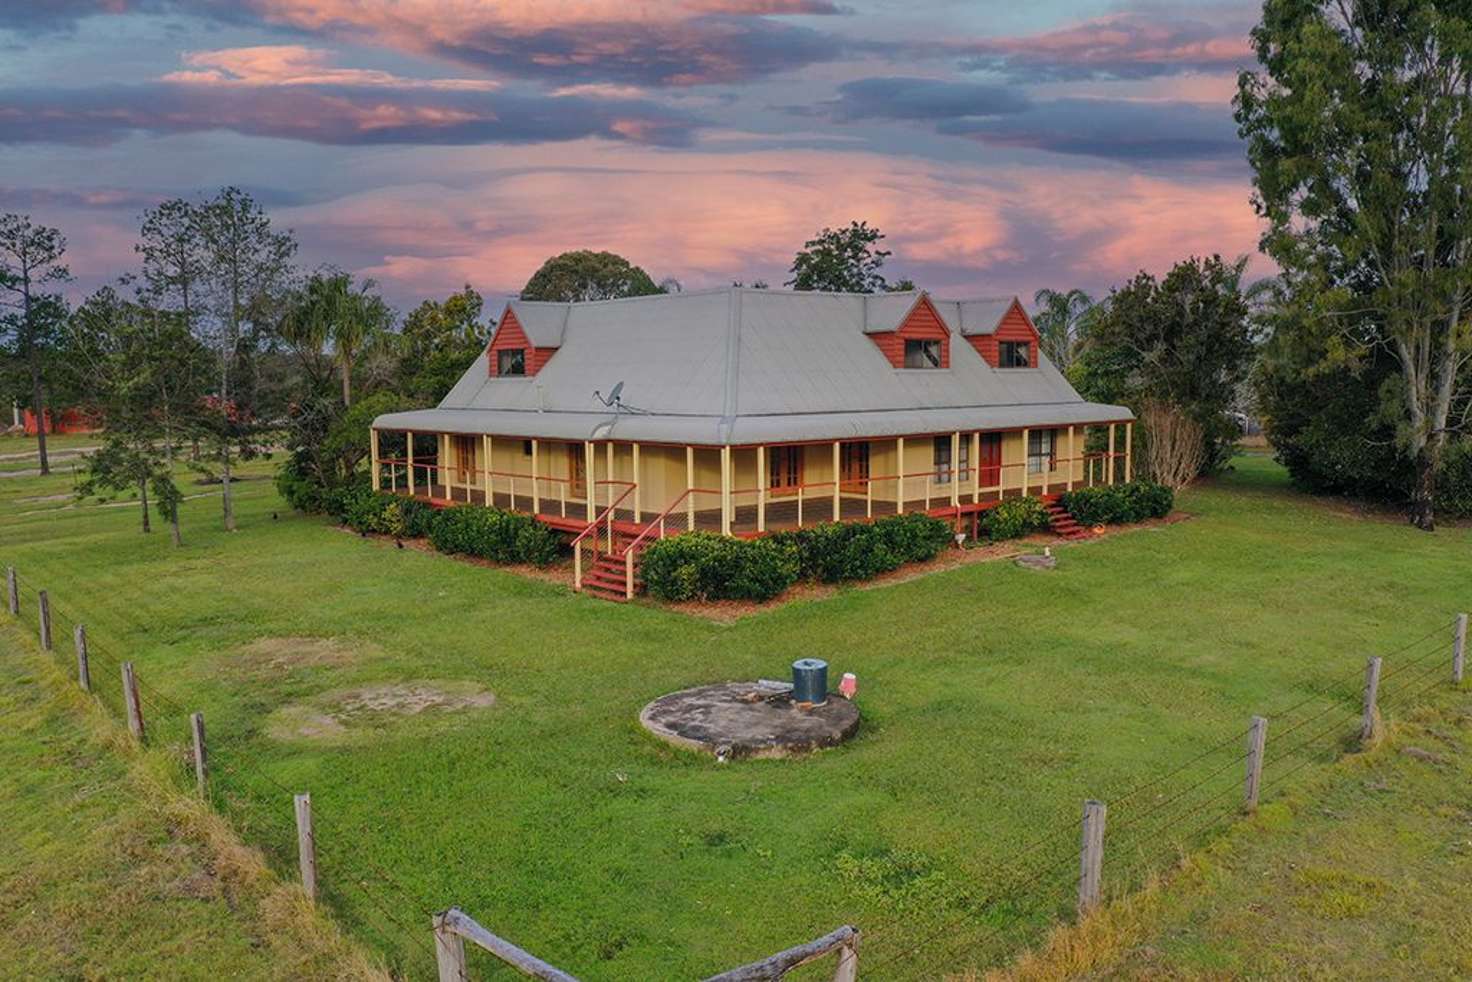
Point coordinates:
[(745, 411)]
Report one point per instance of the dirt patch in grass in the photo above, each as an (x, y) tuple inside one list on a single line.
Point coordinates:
[(346, 714), (276, 656)]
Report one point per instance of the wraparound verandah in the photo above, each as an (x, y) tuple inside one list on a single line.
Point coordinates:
[(748, 490)]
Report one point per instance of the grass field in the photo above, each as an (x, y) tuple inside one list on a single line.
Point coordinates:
[(1363, 873), (108, 873), (995, 700)]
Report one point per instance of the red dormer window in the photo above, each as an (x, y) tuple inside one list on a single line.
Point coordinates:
[(511, 354), (1014, 344), (920, 341)]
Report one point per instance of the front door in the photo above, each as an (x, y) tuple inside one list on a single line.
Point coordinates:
[(784, 473), (464, 459), (853, 466), (577, 472), (991, 460)]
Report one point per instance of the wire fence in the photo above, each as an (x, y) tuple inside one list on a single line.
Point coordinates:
[(1150, 822)]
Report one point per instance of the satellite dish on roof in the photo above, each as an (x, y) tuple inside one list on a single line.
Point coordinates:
[(613, 397)]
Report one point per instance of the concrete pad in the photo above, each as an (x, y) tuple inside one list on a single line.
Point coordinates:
[(746, 719)]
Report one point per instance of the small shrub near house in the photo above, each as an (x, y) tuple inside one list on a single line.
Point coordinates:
[(833, 553), (1119, 503), (364, 510), (1014, 518), (490, 533), (705, 566)]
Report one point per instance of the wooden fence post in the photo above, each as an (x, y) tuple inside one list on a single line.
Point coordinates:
[(130, 699), (1372, 690), (1459, 649), (44, 602), (196, 729), (449, 951), (12, 590), (1091, 856), (306, 845), (1256, 739), (84, 671), (848, 961)]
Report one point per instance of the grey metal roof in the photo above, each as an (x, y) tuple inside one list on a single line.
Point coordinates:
[(740, 366), (544, 323)]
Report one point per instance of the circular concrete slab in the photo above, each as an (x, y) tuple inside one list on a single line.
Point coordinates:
[(745, 719)]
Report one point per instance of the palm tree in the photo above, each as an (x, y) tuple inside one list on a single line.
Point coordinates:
[(329, 311), (1062, 321)]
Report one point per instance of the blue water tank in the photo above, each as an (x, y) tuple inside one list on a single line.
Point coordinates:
[(810, 680)]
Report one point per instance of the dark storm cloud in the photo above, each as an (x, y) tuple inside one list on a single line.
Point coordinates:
[(1113, 129), (904, 98)]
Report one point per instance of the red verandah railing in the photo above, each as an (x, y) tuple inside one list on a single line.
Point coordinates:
[(605, 519)]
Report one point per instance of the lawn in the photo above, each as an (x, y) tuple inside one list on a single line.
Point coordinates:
[(995, 700), (108, 874)]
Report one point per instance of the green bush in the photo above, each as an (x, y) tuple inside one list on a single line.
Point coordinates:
[(705, 566), (833, 552), (1014, 518), (1119, 503), (490, 533), (364, 510), (1454, 484)]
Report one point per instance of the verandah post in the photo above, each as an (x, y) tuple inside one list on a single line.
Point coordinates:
[(373, 455), (837, 505), (1026, 458), (1072, 459), (689, 487), (409, 457), (761, 488), (589, 475), (638, 503), (1129, 439), (485, 470), (976, 467), (956, 477), (1111, 453), (899, 497), (725, 490), (536, 474)]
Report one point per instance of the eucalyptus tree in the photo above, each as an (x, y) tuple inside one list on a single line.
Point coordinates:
[(246, 270), (33, 318), (1359, 130)]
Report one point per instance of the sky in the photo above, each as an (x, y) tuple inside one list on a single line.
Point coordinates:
[(1002, 146)]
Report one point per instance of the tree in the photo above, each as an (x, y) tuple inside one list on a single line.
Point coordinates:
[(843, 260), (145, 370), (1359, 132), (1185, 341), (437, 342), (587, 275), (330, 313), (30, 260), (1062, 320), (246, 267)]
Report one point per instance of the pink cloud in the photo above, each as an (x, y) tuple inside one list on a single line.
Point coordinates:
[(707, 220), (1128, 44), (290, 64)]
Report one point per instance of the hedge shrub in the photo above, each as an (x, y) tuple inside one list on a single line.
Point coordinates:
[(705, 566), (1014, 518), (364, 510), (1119, 503), (490, 533)]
